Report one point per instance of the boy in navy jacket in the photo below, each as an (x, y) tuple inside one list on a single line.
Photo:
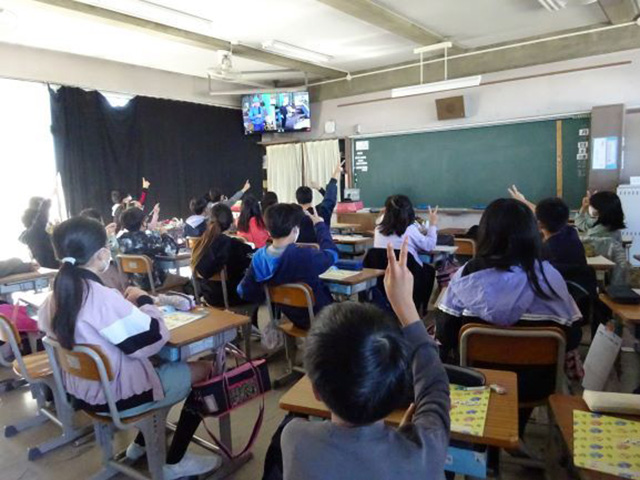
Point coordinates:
[(284, 262)]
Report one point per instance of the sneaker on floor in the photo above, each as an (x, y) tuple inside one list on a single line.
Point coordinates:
[(192, 465), (135, 452)]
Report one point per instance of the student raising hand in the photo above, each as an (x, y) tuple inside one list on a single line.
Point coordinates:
[(398, 283), (517, 195), (246, 187), (338, 171), (313, 215)]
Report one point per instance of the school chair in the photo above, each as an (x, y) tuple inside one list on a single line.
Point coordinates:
[(143, 265), (518, 349), (466, 247), (87, 362), (35, 368), (298, 295), (192, 242)]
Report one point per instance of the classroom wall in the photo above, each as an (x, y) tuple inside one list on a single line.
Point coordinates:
[(25, 63), (542, 96)]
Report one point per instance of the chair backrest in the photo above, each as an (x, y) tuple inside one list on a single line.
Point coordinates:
[(87, 362), (222, 277), (308, 245), (299, 295), (192, 242), (513, 347), (139, 264), (9, 334), (466, 246)]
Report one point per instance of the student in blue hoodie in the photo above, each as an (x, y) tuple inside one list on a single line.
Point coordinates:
[(284, 262)]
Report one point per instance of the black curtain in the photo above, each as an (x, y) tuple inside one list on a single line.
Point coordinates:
[(182, 148)]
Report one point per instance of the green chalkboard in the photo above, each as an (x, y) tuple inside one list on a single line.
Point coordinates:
[(470, 167)]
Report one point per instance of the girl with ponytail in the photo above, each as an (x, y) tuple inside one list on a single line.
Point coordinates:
[(128, 330), (217, 250)]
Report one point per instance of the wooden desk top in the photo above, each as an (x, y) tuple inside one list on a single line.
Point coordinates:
[(175, 258), (362, 276), (345, 226), (352, 239), (563, 407), (28, 276), (217, 321), (628, 313), (501, 428), (456, 232), (600, 263)]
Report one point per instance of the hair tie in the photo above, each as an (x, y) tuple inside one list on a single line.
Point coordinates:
[(69, 260)]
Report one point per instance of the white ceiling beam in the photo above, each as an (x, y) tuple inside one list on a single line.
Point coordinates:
[(192, 38), (376, 15), (619, 11)]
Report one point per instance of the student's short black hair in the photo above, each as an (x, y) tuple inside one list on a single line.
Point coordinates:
[(357, 360), (215, 195), (198, 205), (553, 214), (132, 219), (117, 196), (398, 215), (609, 209), (268, 199), (91, 213), (282, 218), (304, 195)]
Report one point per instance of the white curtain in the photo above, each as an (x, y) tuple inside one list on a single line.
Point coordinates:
[(320, 160), (284, 170)]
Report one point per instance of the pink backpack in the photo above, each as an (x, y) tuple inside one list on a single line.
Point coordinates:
[(19, 316)]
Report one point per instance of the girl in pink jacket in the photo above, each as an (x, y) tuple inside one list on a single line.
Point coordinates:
[(81, 310)]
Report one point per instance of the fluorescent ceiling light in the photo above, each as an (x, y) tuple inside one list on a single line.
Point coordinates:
[(434, 87), (433, 48), (296, 52), (553, 5)]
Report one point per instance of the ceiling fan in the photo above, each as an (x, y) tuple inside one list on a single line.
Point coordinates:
[(225, 71)]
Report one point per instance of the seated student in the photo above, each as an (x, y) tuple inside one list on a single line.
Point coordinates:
[(399, 223), (284, 262), (268, 199), (600, 222), (138, 241), (36, 237), (251, 224), (508, 284), (122, 200), (304, 197), (216, 250), (562, 246), (129, 331), (357, 359), (216, 196), (196, 224)]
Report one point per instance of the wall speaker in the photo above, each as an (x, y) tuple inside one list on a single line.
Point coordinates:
[(450, 108)]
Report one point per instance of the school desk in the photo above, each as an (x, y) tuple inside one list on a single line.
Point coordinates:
[(501, 427), (23, 282), (205, 335), (344, 227), (361, 281), (563, 407), (438, 253), (600, 263), (175, 262), (352, 245)]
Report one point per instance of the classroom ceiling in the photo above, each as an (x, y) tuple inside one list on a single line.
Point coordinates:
[(183, 36)]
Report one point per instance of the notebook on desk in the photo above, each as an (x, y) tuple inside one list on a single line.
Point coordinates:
[(335, 274), (174, 320)]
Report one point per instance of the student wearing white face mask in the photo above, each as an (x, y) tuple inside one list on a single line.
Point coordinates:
[(285, 262), (129, 330)]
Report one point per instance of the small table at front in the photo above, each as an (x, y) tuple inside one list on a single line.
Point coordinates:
[(207, 334), (23, 282), (563, 407), (501, 427), (352, 245), (175, 261), (361, 281)]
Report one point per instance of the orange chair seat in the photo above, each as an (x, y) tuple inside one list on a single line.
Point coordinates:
[(290, 329), (37, 365)]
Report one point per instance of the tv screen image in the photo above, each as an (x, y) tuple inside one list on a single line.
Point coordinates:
[(276, 112)]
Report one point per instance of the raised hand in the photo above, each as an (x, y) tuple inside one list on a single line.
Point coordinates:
[(433, 217), (145, 183), (247, 186), (398, 283)]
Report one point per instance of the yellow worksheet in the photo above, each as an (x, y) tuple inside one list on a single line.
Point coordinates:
[(606, 444), (469, 409)]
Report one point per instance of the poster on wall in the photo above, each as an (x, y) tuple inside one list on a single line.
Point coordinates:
[(605, 153)]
